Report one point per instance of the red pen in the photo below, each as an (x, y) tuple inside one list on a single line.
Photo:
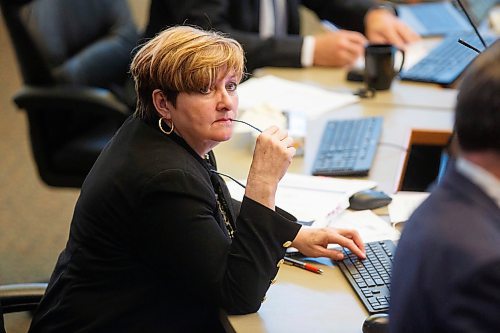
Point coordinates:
[(303, 265)]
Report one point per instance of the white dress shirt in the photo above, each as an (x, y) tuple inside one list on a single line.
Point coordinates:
[(482, 178), (273, 22)]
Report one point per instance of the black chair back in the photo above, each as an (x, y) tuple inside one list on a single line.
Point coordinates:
[(73, 56)]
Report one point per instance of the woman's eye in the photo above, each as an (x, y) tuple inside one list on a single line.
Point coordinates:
[(205, 91), (231, 86)]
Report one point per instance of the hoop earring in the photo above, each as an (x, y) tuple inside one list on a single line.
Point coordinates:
[(161, 128)]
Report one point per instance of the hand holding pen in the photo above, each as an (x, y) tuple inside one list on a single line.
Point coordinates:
[(303, 265)]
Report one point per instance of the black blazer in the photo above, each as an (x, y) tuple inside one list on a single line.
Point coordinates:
[(446, 275), (240, 19), (148, 251)]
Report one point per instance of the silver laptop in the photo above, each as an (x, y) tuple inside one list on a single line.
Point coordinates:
[(444, 17)]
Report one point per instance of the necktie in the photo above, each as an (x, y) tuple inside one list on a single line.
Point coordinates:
[(280, 18), (273, 18)]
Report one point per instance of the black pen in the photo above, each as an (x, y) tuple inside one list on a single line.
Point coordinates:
[(303, 265)]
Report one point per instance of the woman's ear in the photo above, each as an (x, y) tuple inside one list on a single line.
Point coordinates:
[(160, 103)]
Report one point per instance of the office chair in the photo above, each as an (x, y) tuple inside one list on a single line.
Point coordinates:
[(19, 298), (73, 56)]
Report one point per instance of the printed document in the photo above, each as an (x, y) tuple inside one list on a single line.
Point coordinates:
[(310, 198), (290, 96)]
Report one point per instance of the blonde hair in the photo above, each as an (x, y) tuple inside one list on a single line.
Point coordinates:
[(182, 59)]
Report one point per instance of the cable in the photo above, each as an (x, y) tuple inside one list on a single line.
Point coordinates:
[(390, 144), (473, 26)]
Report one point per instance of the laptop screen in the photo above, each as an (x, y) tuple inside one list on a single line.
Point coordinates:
[(477, 9)]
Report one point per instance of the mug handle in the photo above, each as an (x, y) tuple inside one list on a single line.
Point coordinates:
[(402, 60)]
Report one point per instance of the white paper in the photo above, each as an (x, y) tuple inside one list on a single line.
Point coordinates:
[(370, 226), (291, 96), (311, 198), (403, 204), (326, 184)]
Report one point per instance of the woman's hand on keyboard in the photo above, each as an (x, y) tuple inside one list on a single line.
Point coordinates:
[(313, 242)]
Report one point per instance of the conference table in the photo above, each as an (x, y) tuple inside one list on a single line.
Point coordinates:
[(301, 301)]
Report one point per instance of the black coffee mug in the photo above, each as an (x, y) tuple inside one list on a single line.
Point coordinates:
[(379, 65)]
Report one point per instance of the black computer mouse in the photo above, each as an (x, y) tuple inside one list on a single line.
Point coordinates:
[(369, 199), (376, 323)]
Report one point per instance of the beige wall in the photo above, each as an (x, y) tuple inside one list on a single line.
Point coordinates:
[(140, 11)]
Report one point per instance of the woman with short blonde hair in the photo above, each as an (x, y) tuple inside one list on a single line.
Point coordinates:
[(156, 242)]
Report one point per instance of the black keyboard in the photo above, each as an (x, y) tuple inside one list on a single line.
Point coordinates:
[(348, 147), (445, 63), (371, 278)]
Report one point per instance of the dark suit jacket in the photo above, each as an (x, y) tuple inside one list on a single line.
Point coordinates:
[(446, 275), (240, 19), (148, 250), (2, 328), (85, 42)]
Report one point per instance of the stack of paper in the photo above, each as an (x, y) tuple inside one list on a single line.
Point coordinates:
[(370, 227), (290, 96), (311, 198), (269, 101), (404, 203)]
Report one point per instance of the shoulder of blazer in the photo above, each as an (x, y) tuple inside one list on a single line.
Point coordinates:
[(145, 153), (460, 185)]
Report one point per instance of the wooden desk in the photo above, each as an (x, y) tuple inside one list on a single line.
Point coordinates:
[(303, 301), (402, 93)]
